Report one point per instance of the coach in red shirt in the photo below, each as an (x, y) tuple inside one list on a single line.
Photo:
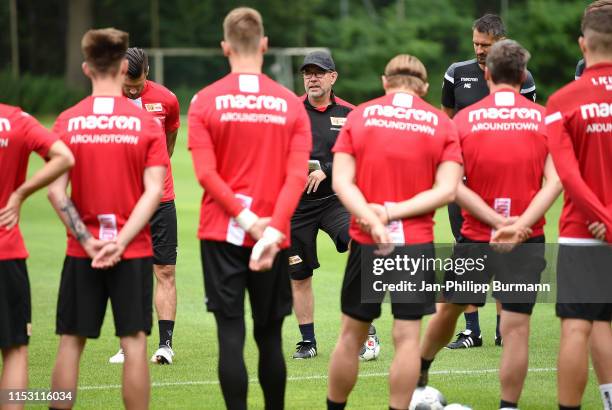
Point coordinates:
[(579, 125), (20, 134), (250, 142), (163, 105), (397, 159), (116, 186)]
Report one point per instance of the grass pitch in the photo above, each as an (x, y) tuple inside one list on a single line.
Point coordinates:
[(465, 376)]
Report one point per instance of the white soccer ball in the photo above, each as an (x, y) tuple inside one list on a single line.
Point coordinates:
[(427, 398), (370, 349), (457, 406)]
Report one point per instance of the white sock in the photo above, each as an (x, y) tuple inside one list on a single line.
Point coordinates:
[(606, 395)]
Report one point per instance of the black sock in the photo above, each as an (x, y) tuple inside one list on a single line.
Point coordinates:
[(472, 323), (562, 407), (307, 331), (231, 368), (507, 404), (272, 372), (332, 405), (497, 333), (426, 364), (166, 329)]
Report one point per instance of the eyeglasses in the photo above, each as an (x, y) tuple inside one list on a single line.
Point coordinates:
[(317, 74)]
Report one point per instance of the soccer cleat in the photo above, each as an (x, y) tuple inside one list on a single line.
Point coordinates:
[(163, 355), (118, 358), (465, 340), (305, 350), (499, 341)]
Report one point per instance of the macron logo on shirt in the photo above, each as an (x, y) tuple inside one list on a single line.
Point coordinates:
[(251, 102), (505, 114), (603, 110), (5, 125), (400, 113), (104, 122)]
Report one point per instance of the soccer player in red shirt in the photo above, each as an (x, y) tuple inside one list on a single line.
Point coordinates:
[(250, 141), (579, 125), (116, 185), (504, 199), (163, 104), (397, 159), (20, 134)]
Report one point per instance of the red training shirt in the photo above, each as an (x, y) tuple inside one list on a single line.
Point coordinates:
[(579, 124), (398, 141), (163, 104), (113, 142), (504, 151), (251, 125), (20, 134)]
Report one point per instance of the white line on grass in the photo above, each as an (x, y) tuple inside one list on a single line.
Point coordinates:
[(315, 377)]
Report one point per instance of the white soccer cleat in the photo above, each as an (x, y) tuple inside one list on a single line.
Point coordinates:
[(118, 358), (163, 355)]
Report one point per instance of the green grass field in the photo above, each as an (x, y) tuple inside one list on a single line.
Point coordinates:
[(467, 376)]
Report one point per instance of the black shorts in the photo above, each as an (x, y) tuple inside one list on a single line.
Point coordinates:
[(164, 234), (352, 291), (84, 293), (15, 303), (523, 265), (327, 214), (578, 268), (227, 277)]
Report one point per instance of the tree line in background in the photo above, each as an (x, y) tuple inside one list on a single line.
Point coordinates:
[(362, 35)]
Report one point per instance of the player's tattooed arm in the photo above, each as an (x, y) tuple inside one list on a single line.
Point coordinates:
[(70, 217), (70, 214)]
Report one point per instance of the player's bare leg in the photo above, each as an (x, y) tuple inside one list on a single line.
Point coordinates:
[(515, 356), (344, 362), (403, 373), (303, 300), (136, 381), (573, 361), (165, 291), (65, 374), (440, 329), (165, 305), (601, 355), (14, 369)]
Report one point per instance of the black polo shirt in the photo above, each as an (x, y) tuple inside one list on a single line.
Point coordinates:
[(326, 124), (464, 85)]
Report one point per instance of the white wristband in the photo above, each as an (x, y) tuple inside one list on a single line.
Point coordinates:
[(269, 237), (272, 235), (246, 219)]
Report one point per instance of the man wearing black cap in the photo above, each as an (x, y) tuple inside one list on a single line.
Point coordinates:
[(319, 208)]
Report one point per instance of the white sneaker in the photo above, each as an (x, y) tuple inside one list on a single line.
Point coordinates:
[(163, 355), (118, 358)]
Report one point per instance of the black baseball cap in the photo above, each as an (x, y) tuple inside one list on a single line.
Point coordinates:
[(321, 59)]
